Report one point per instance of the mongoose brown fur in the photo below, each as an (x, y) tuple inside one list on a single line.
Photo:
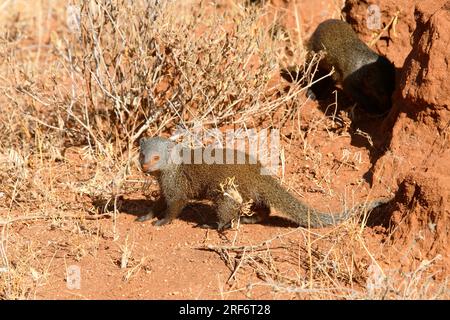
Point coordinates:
[(365, 76), (180, 183)]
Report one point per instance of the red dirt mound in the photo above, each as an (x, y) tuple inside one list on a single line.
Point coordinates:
[(418, 155), (397, 24), (420, 220)]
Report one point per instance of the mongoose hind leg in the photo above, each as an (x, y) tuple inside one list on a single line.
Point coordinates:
[(261, 213)]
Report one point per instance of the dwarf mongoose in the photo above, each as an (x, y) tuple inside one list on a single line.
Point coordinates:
[(365, 76), (180, 183)]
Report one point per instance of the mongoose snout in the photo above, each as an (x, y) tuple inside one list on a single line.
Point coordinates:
[(151, 160), (152, 164)]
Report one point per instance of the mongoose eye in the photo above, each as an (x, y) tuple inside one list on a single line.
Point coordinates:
[(156, 158)]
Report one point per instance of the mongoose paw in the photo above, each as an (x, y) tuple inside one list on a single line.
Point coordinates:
[(206, 226), (162, 222), (250, 219), (146, 217), (221, 226)]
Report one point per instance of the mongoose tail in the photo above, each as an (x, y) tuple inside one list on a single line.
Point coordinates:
[(181, 183), (306, 216)]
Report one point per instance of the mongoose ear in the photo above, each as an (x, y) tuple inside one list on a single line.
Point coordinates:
[(169, 145), (141, 142)]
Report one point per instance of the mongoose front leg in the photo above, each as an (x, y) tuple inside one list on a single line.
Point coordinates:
[(173, 210), (158, 209)]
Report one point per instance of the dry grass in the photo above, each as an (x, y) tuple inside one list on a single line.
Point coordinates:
[(76, 97), (334, 265)]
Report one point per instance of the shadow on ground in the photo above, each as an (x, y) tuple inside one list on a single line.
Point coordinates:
[(199, 213)]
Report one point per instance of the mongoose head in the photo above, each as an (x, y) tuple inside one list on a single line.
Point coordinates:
[(154, 153)]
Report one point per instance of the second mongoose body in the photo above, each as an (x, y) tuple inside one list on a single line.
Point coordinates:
[(368, 78)]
